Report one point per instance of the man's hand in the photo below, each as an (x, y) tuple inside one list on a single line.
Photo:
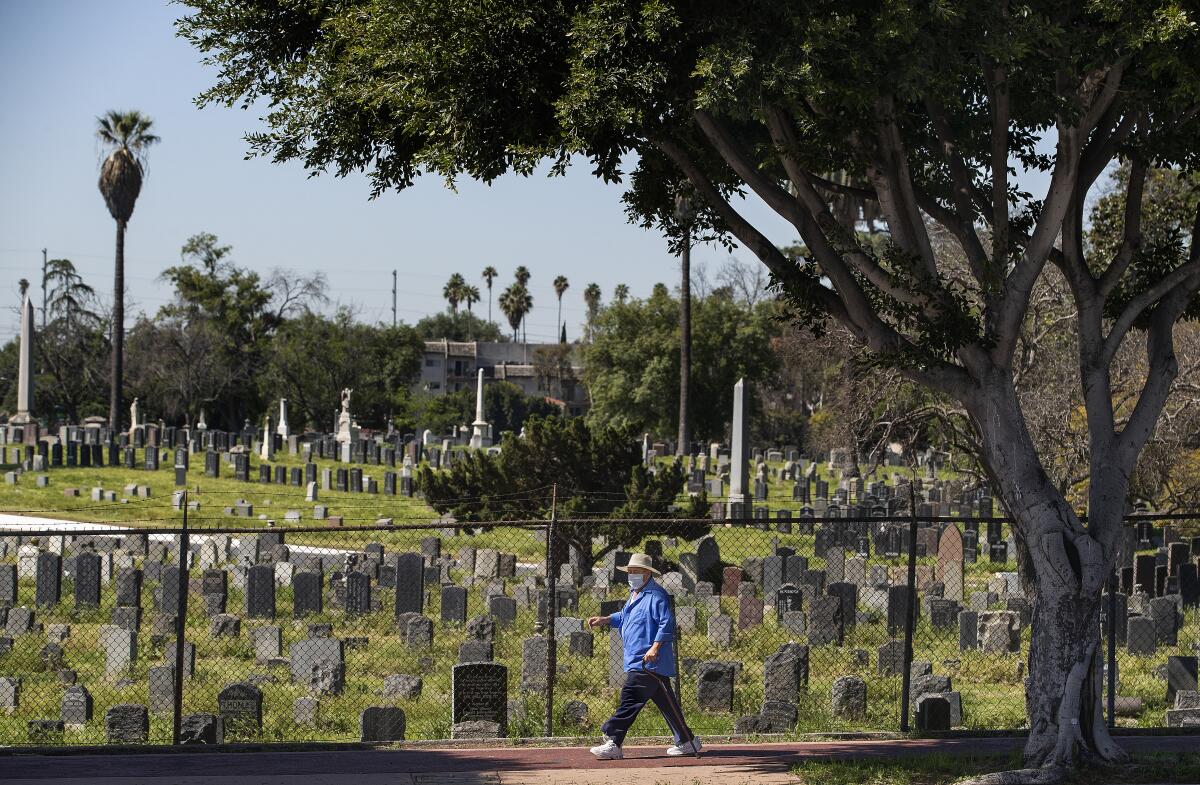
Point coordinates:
[(598, 621), (652, 655)]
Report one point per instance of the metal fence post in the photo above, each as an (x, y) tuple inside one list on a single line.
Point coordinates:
[(1112, 649), (911, 611), (551, 613), (180, 624)]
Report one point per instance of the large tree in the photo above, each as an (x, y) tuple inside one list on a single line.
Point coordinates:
[(632, 365), (926, 109), (127, 137)]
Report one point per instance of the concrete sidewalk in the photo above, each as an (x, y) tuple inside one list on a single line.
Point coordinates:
[(728, 764)]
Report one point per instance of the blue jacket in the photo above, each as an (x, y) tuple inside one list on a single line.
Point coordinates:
[(646, 618)]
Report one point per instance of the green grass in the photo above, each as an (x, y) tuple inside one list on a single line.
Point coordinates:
[(946, 769), (991, 684)]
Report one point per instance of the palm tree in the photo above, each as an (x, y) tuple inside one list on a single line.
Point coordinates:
[(470, 296), (127, 137), (591, 296), (453, 291), (684, 214), (560, 287), (515, 302), (489, 275), (522, 275), (620, 293)]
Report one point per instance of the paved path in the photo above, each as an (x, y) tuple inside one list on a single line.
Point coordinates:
[(727, 764)]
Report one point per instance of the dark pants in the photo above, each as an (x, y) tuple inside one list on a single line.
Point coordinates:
[(641, 686)]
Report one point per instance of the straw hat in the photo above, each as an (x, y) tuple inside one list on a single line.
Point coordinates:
[(640, 560)]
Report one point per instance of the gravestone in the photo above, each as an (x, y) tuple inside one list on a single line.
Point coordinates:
[(720, 631), (358, 594), (120, 650), (454, 604), (825, 624), (201, 729), (714, 686), (306, 594), (319, 664), (381, 724), (785, 673), (950, 563), (127, 724), (240, 706), (848, 698), (87, 580), (1181, 676), (480, 694), (77, 707), (161, 681), (48, 589), (260, 592), (933, 713), (535, 656), (410, 585)]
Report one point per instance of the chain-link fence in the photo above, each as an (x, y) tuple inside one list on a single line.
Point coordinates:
[(786, 623)]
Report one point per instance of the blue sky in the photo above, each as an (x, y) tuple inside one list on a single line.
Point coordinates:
[(63, 62)]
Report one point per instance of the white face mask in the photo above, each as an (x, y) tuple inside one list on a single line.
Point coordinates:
[(636, 580)]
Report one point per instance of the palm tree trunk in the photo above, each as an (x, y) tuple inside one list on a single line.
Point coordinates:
[(685, 346), (115, 404), (558, 321)]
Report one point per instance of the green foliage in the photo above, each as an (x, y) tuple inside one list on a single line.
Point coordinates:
[(590, 467), (312, 358), (632, 364), (505, 406), (458, 326), (1168, 215)]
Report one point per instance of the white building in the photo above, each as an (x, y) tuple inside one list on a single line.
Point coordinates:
[(450, 366)]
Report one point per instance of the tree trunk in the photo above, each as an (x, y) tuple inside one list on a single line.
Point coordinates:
[(1064, 569), (685, 346), (115, 402)]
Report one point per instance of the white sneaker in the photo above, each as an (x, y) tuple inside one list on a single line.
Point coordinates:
[(687, 748), (609, 750)]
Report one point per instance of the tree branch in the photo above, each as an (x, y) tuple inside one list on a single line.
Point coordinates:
[(890, 175), (998, 83), (1132, 235), (1166, 288)]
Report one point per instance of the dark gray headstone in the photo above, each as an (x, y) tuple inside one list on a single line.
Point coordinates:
[(306, 594), (714, 686), (49, 579), (410, 584), (381, 723), (127, 724), (240, 706), (87, 580), (260, 592), (480, 694), (454, 604)]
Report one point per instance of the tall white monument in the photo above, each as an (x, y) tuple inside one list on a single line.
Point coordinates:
[(738, 453), (347, 429), (24, 417), (480, 436), (283, 429), (266, 450)]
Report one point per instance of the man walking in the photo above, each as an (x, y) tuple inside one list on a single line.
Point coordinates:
[(647, 631)]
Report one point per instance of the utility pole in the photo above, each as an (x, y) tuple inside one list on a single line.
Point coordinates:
[(393, 298), (43, 288)]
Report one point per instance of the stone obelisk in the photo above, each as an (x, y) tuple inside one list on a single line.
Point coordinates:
[(282, 429), (479, 434), (24, 416), (738, 464)]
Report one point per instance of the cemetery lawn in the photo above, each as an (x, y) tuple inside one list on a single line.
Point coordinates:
[(1181, 768)]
